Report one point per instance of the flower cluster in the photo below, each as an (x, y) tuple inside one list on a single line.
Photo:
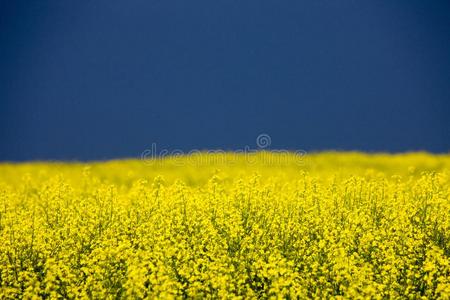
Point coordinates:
[(341, 226)]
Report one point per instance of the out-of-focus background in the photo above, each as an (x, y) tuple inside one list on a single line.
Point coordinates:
[(94, 80)]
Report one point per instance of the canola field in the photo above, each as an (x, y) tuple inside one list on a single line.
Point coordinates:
[(228, 226)]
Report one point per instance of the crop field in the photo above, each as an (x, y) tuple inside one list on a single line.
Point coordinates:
[(329, 225)]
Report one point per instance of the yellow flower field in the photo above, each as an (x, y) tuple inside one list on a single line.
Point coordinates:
[(330, 225)]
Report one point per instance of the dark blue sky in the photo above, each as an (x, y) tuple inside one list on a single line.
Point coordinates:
[(106, 79)]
